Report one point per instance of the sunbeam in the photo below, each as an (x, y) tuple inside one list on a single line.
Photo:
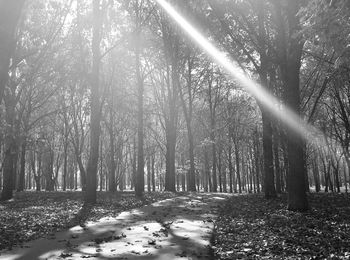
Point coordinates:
[(291, 119)]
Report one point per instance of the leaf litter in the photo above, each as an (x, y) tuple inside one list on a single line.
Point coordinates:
[(32, 215), (251, 227)]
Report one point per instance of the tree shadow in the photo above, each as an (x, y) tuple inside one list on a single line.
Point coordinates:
[(166, 228)]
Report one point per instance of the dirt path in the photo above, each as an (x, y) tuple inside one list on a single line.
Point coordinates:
[(178, 228)]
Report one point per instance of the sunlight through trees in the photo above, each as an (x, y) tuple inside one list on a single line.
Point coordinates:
[(220, 96)]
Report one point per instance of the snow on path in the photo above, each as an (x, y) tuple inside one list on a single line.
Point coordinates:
[(177, 228)]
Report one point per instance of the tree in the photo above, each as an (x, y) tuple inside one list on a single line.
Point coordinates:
[(290, 61), (9, 15), (140, 182), (170, 95), (95, 127), (187, 108)]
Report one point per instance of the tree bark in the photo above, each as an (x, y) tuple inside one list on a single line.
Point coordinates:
[(238, 173), (277, 164), (149, 173), (153, 172), (171, 127), (65, 154), (212, 108), (95, 127), (140, 182), (257, 160), (230, 167), (188, 113), (206, 169), (10, 149), (170, 159), (219, 166), (290, 46), (8, 168), (270, 191), (48, 157), (111, 180), (21, 181)]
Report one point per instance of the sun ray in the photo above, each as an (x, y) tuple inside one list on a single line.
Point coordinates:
[(310, 133), (287, 116)]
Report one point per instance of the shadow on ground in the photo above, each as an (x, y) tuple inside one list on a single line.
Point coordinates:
[(174, 228)]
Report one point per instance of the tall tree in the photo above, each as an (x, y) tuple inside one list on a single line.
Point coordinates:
[(171, 45), (95, 127), (187, 108), (10, 147), (139, 180), (290, 46)]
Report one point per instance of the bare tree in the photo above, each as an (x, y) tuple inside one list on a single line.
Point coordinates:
[(95, 127)]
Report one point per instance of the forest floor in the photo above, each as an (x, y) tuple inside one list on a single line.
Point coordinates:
[(250, 227), (176, 228), (31, 215)]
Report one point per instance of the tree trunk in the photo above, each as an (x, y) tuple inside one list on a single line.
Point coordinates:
[(188, 111), (220, 172), (153, 173), (230, 167), (149, 173), (277, 164), (170, 159), (36, 173), (134, 166), (101, 165), (95, 128), (29, 178), (306, 176), (269, 181), (224, 179), (212, 139), (336, 175), (21, 181), (191, 185), (140, 182), (171, 127), (290, 57), (82, 172), (48, 157), (284, 177), (214, 162), (297, 199), (257, 160), (206, 169), (8, 168), (238, 174), (10, 149), (270, 191), (316, 175), (347, 168), (111, 180), (65, 156)]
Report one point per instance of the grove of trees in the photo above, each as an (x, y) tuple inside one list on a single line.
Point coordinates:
[(113, 95)]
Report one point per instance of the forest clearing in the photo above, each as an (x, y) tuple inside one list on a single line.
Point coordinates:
[(217, 129)]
